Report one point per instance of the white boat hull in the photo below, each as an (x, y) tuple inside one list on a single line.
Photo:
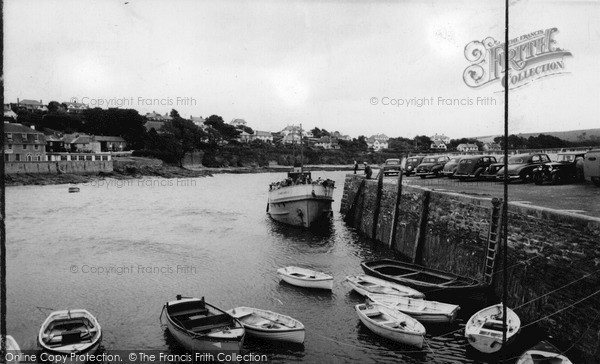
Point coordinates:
[(411, 338), (301, 205), (432, 312), (269, 325), (207, 343), (484, 331), (220, 340), (364, 284), (304, 278)]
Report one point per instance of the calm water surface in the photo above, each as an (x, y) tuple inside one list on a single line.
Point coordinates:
[(122, 250)]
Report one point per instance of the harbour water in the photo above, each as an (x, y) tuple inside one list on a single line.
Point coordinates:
[(121, 248)]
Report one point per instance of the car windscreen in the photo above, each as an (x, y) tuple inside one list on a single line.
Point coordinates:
[(565, 158), (466, 161), (392, 162), (412, 160), (429, 160)]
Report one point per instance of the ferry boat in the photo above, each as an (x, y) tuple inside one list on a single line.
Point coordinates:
[(299, 200)]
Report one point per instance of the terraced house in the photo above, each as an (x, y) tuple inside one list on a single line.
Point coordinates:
[(23, 144)]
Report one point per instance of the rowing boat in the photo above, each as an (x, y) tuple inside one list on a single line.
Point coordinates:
[(484, 329), (307, 278), (269, 325), (543, 352), (391, 324), (420, 309), (426, 280), (70, 331), (365, 284), (200, 326)]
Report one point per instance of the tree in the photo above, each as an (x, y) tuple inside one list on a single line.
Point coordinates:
[(53, 106), (423, 142), (224, 131), (182, 136), (174, 114)]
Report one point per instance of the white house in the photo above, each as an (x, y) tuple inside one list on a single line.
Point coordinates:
[(491, 147), (440, 137), (327, 143), (467, 147), (378, 142), (238, 122), (264, 136), (438, 145)]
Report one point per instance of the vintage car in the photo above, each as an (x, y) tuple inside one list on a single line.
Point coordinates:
[(472, 167), (492, 169), (432, 166), (568, 167), (591, 166), (391, 166), (521, 166), (450, 167), (412, 163)]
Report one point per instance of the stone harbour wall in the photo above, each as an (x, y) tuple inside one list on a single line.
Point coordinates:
[(553, 257), (76, 167)]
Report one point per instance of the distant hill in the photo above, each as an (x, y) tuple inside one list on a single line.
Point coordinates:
[(571, 136)]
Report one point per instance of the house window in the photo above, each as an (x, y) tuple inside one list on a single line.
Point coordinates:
[(29, 158), (88, 157), (17, 157), (9, 147), (24, 137), (24, 146), (63, 157), (9, 137), (36, 147), (36, 137), (39, 158)]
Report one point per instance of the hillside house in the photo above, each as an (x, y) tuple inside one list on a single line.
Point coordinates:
[(23, 144)]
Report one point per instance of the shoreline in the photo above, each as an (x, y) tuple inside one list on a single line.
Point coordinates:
[(162, 171)]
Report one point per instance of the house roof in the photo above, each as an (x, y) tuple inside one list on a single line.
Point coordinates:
[(238, 122), (77, 105), (467, 145), (82, 139), (262, 133), (109, 138), (19, 128)]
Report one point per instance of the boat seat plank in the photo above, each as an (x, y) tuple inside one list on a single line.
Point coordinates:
[(201, 323), (191, 313)]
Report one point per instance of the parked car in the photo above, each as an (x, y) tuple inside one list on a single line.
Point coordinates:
[(521, 166), (392, 166), (412, 163), (490, 172), (450, 167), (591, 166), (473, 166), (432, 166), (568, 167)]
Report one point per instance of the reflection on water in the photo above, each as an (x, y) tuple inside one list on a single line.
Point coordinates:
[(123, 252)]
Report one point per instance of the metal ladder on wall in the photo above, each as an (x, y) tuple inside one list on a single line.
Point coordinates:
[(493, 241)]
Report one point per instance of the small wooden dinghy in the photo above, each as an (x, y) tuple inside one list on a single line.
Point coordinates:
[(484, 329), (269, 325), (70, 331), (543, 353), (365, 284), (420, 309), (12, 348), (426, 280), (200, 326), (73, 189), (305, 278), (391, 324)]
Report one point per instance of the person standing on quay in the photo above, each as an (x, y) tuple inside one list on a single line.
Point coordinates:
[(368, 170), (355, 166)]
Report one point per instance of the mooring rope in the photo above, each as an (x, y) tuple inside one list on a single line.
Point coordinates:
[(562, 309), (553, 291)]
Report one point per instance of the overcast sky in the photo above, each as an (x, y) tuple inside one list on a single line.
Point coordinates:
[(273, 63)]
